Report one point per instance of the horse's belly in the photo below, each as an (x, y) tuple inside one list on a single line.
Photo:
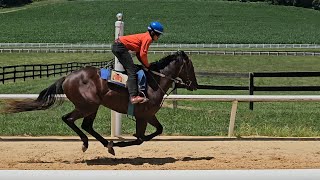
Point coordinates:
[(116, 101)]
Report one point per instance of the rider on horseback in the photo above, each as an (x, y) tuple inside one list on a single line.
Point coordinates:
[(138, 43)]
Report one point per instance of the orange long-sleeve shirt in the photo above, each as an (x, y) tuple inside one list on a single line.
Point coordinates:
[(139, 43)]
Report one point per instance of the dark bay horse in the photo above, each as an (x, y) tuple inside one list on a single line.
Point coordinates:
[(87, 91)]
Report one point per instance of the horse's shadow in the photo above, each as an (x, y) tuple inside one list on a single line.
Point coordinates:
[(141, 160)]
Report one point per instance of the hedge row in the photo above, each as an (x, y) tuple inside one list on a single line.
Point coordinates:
[(315, 4), (12, 3)]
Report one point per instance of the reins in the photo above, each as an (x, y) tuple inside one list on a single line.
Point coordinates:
[(162, 76), (175, 81)]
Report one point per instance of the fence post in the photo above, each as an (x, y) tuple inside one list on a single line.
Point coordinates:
[(71, 67), (3, 72), (32, 71), (232, 118), (47, 70), (67, 68), (14, 74), (175, 102), (40, 70), (251, 88), (24, 72), (116, 117), (54, 70)]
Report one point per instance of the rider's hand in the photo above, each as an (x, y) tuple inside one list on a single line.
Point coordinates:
[(153, 67)]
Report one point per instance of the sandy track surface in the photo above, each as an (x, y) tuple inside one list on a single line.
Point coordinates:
[(161, 155)]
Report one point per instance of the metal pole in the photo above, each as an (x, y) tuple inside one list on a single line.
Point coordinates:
[(115, 116)]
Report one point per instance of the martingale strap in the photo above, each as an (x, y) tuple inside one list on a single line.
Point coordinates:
[(130, 113)]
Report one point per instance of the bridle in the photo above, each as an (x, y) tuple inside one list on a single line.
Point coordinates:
[(176, 80)]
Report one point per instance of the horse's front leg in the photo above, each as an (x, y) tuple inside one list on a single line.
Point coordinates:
[(159, 128), (155, 123), (141, 125)]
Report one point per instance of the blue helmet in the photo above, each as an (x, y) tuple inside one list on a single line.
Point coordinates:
[(156, 27)]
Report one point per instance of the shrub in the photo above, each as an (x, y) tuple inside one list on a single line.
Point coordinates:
[(277, 2), (307, 3), (12, 3), (298, 3), (301, 3), (288, 2), (316, 4)]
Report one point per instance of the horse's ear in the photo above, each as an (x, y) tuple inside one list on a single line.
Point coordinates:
[(183, 55), (180, 53)]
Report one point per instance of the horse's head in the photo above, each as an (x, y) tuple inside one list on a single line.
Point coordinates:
[(186, 71), (179, 67)]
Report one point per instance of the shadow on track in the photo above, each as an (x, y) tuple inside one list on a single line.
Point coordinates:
[(141, 160)]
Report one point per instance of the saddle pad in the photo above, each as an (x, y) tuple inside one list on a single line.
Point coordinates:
[(118, 78), (113, 76), (105, 73)]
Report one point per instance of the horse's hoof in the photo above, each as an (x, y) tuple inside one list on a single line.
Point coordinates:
[(84, 148), (110, 144), (111, 151), (110, 148)]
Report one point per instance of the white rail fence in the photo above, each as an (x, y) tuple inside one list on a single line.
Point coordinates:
[(206, 52), (235, 99), (157, 45)]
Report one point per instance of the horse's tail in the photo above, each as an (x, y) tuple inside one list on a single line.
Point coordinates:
[(45, 100)]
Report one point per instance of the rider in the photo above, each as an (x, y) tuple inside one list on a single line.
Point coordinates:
[(139, 43)]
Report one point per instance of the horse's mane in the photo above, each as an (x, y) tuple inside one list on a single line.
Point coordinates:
[(165, 61)]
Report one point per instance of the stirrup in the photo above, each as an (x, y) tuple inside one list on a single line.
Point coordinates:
[(145, 99)]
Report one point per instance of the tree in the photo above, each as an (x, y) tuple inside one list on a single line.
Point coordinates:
[(12, 3), (316, 4)]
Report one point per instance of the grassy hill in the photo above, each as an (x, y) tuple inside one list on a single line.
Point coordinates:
[(185, 21)]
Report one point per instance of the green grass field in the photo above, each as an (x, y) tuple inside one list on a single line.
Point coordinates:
[(202, 118), (185, 21)]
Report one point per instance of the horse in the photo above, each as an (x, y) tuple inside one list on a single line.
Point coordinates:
[(87, 91)]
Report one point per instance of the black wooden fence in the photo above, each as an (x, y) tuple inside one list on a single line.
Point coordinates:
[(13, 73), (252, 88)]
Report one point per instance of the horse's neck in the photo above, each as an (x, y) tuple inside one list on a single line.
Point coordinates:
[(170, 73), (164, 83)]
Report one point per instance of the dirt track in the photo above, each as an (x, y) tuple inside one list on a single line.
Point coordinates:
[(168, 155)]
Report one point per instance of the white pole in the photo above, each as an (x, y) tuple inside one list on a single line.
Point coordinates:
[(119, 25), (116, 117)]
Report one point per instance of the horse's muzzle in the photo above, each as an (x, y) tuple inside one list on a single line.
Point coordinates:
[(192, 86)]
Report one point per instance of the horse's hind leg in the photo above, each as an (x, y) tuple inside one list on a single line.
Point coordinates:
[(87, 125), (69, 119)]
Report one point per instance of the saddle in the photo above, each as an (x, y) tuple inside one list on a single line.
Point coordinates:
[(120, 79)]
